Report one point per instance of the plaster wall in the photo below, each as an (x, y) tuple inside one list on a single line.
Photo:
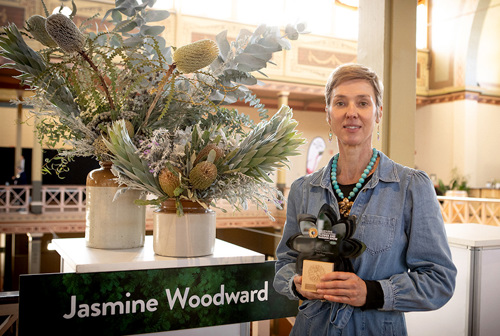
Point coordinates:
[(461, 134)]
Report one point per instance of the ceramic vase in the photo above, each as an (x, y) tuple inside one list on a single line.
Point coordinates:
[(112, 223), (189, 235)]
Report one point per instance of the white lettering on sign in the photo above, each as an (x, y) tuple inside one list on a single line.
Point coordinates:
[(83, 310), (109, 308), (217, 299)]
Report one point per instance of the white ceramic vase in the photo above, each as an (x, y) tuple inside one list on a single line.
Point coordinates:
[(118, 224), (189, 235)]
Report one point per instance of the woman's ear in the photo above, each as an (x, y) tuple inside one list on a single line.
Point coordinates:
[(327, 115), (378, 116)]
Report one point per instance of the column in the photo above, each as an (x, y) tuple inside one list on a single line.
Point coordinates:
[(34, 252), (387, 44), (36, 175), (281, 174), (19, 133)]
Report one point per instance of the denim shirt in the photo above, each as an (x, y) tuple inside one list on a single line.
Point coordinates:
[(407, 251)]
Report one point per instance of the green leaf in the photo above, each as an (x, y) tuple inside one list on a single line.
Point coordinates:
[(126, 26), (156, 15), (151, 30)]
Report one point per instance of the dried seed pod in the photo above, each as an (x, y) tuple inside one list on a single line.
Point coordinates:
[(168, 181), (100, 148), (195, 56), (130, 128), (65, 33), (203, 154), (203, 175), (36, 26)]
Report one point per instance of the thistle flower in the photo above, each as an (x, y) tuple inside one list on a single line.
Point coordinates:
[(195, 56), (65, 33), (203, 175), (36, 26)]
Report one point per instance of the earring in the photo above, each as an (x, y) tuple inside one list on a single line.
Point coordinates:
[(330, 135), (378, 133)]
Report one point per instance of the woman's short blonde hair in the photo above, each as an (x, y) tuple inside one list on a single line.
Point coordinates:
[(351, 71)]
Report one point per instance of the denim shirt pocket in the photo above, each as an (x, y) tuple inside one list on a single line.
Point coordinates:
[(377, 232), (341, 314)]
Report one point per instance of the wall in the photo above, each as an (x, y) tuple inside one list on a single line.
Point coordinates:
[(460, 134), (450, 131), (8, 128)]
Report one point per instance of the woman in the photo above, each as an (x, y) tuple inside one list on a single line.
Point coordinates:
[(407, 263)]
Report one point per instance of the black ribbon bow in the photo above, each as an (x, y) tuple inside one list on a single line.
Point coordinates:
[(326, 238)]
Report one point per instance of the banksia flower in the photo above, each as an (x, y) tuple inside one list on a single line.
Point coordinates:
[(65, 33), (70, 39), (195, 56), (203, 154), (100, 147), (168, 181), (130, 128), (203, 175), (36, 27)]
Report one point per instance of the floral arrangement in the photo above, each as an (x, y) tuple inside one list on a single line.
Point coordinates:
[(158, 112)]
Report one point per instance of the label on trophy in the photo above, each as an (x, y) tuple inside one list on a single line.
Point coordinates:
[(312, 272)]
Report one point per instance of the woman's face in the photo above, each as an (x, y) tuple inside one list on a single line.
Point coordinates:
[(353, 113)]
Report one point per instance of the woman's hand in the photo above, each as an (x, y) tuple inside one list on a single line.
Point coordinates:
[(297, 280), (343, 287)]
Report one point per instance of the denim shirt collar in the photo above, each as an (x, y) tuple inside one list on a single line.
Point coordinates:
[(386, 172)]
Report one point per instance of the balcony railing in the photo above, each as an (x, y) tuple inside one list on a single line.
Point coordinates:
[(71, 199), (55, 198), (470, 210), (63, 210)]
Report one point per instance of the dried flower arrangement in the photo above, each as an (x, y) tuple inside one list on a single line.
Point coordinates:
[(159, 113)]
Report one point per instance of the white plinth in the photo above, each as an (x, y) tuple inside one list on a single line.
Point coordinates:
[(77, 257)]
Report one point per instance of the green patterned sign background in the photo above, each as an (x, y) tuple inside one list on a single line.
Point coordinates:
[(146, 301)]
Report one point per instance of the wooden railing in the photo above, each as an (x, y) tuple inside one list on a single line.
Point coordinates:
[(71, 199), (63, 210), (55, 198), (470, 210)]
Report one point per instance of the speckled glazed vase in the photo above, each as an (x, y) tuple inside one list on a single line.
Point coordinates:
[(189, 235), (112, 224)]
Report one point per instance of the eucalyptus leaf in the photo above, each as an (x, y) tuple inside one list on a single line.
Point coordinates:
[(126, 26), (126, 10), (156, 15), (249, 63), (115, 15), (151, 30), (223, 44), (133, 41)]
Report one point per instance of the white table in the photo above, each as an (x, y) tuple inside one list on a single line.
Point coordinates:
[(77, 257), (473, 309)]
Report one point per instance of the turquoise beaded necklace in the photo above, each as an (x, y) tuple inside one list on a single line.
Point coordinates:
[(346, 203)]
